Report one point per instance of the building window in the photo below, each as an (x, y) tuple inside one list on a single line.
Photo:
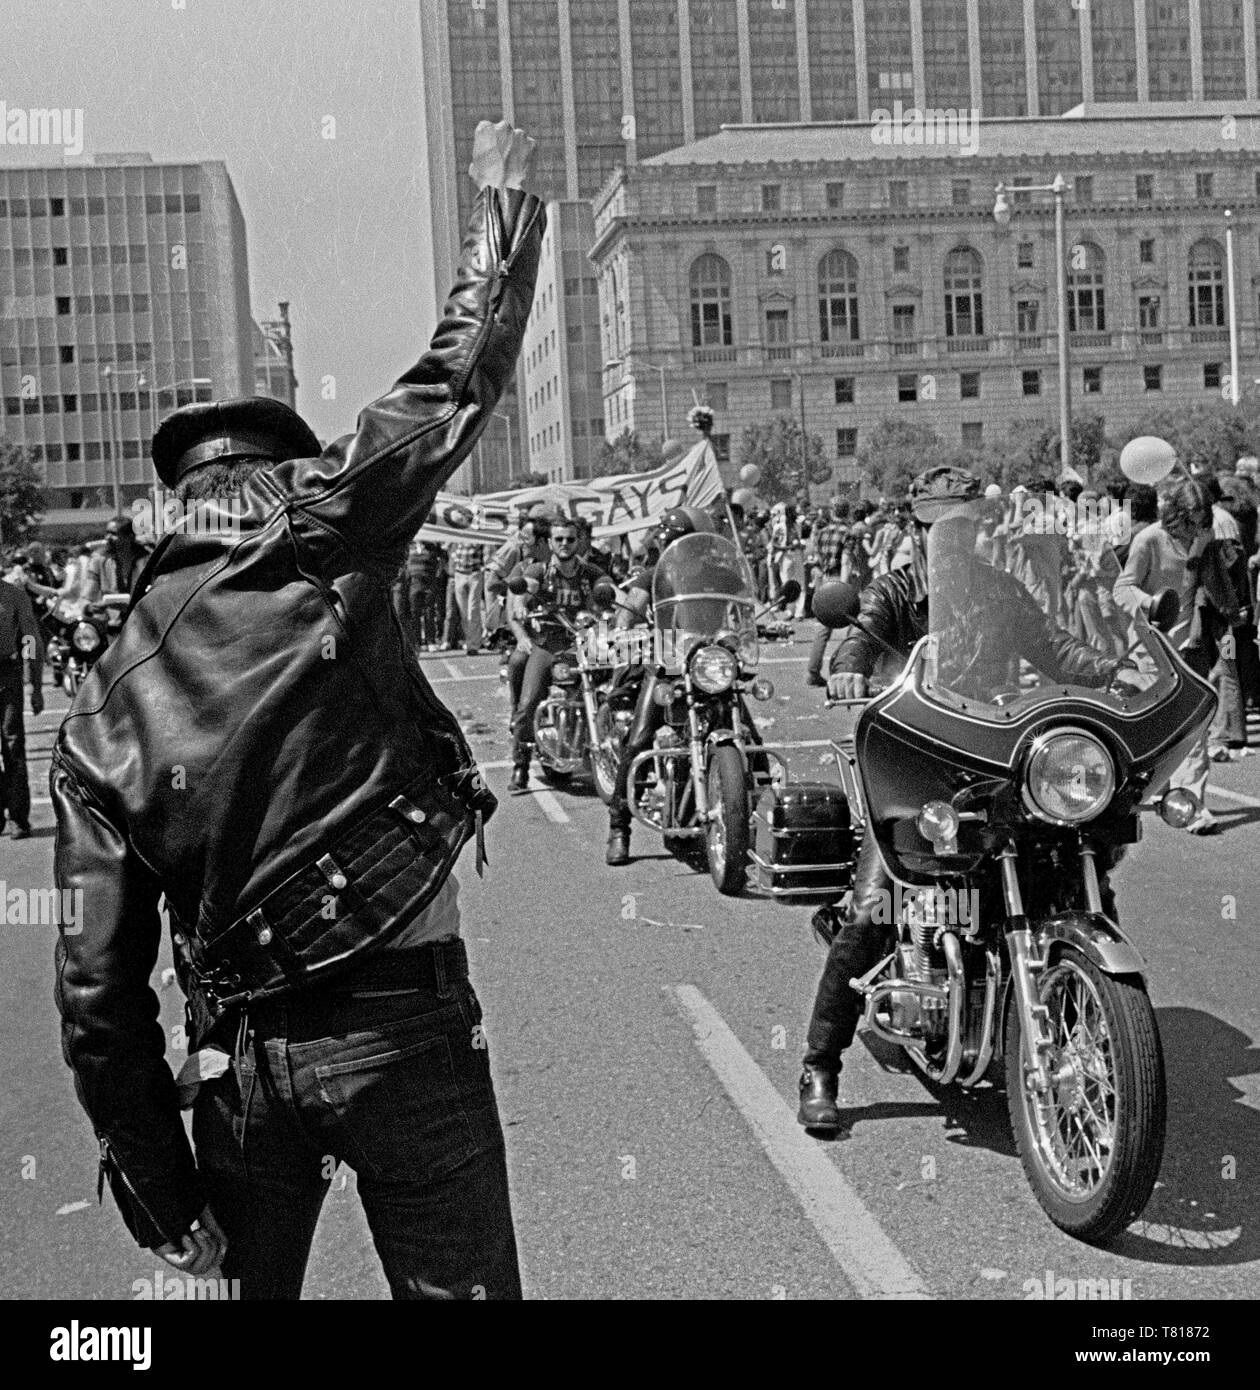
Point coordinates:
[(1148, 311), (70, 404), (706, 197), (721, 447), (844, 390), (57, 207), (964, 305), (1030, 380), (907, 387), (898, 193), (846, 442), (1153, 378), (1146, 250), (1087, 311), (1144, 187), (775, 261), (1207, 285), (778, 328), (835, 195), (969, 386), (1083, 187), (1025, 255), (903, 323), (901, 260), (63, 304), (781, 393), (715, 393), (838, 297), (1027, 316), (960, 193), (65, 354), (1212, 376), (973, 434), (1091, 381), (711, 302), (1203, 187), (771, 197), (61, 255)]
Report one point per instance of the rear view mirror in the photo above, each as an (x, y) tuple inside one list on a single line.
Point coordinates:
[(604, 594), (788, 595), (518, 584), (1165, 610), (836, 603)]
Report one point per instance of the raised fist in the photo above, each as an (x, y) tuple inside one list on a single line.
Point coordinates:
[(501, 155)]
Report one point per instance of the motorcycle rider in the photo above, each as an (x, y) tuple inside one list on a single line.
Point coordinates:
[(636, 608), (894, 610), (565, 583)]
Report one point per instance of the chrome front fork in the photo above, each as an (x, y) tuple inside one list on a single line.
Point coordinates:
[(699, 778), (1025, 965)]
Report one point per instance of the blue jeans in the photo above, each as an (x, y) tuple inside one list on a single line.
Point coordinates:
[(395, 1081)]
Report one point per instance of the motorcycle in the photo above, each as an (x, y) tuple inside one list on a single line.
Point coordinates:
[(77, 635), (993, 791), (565, 723), (696, 783)]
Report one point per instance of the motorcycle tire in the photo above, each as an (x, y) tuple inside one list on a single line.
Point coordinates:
[(605, 755), (727, 838), (1109, 1032)]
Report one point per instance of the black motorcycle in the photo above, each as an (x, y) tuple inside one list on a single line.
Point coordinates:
[(996, 793), (76, 636), (697, 782)]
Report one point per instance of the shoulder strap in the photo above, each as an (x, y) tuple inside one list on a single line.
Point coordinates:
[(145, 578)]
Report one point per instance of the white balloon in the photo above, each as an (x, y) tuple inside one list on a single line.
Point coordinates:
[(750, 474), (744, 497), (1147, 459)]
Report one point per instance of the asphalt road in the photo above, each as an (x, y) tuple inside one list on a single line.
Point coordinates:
[(645, 1036)]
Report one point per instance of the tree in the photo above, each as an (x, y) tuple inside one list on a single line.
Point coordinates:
[(898, 449), (775, 447), (1207, 436), (22, 500), (1088, 441), (628, 454), (529, 480)]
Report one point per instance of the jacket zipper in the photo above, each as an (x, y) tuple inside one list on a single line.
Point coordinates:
[(109, 1160)]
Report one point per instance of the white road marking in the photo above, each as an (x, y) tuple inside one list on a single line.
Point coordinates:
[(551, 808), (871, 1262), (456, 674), (1237, 797), (443, 680)]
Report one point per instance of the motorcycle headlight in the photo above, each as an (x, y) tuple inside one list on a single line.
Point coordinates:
[(713, 669), (85, 637), (1070, 777)]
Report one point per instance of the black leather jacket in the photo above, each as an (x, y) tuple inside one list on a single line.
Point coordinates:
[(894, 608), (260, 745)]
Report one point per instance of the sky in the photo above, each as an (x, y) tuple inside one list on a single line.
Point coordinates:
[(336, 226)]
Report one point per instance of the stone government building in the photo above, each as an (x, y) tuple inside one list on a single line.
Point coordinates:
[(767, 260)]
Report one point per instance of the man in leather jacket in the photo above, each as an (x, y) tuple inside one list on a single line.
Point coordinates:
[(894, 614), (260, 747)]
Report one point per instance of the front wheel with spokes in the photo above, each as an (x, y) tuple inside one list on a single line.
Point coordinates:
[(1092, 1140)]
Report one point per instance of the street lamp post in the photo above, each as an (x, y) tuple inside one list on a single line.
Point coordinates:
[(804, 441), (1233, 308), (114, 400), (660, 371), (1002, 216)]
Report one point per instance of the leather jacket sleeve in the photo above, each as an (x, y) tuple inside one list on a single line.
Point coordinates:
[(376, 486), (1048, 647), (110, 1034), (886, 612)]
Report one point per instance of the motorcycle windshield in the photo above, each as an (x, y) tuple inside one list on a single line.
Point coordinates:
[(702, 591), (1003, 637)]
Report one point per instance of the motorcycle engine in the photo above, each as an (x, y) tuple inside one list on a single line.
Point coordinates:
[(920, 960)]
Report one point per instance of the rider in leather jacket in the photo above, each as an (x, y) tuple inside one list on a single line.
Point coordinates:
[(260, 741), (894, 612)]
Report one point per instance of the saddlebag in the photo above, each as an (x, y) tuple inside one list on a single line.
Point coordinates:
[(802, 842)]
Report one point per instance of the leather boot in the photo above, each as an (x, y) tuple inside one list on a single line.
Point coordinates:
[(819, 1088), (618, 848), (519, 780)]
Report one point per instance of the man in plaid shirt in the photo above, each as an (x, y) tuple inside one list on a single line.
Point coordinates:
[(829, 542), (467, 560)]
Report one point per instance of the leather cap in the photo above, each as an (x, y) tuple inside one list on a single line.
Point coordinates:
[(212, 430), (941, 490)]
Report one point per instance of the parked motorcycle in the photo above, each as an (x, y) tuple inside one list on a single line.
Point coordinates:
[(995, 793), (565, 723), (696, 782)]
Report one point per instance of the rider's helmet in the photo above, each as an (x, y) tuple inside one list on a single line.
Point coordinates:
[(942, 491), (675, 523)]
